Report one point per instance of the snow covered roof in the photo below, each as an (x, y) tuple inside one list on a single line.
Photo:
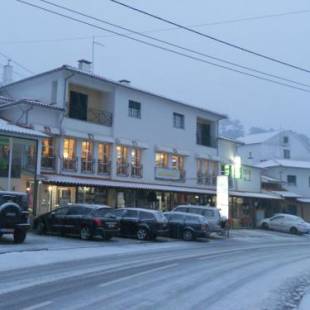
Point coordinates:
[(304, 200), (284, 163), (236, 141), (258, 138), (117, 83), (8, 102), (262, 195), (5, 126), (267, 179), (286, 194)]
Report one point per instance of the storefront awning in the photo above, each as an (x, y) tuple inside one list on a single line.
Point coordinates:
[(255, 195), (80, 181), (132, 143)]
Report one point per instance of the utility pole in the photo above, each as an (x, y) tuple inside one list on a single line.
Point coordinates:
[(93, 54)]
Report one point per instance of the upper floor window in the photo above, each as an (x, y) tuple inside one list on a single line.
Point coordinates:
[(136, 157), (47, 147), (104, 152), (246, 173), (69, 148), (285, 139), (78, 106), (87, 150), (177, 162), (292, 180), (178, 120), (203, 135), (161, 160), (286, 154), (134, 109), (122, 154)]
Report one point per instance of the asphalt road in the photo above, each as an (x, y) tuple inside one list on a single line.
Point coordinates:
[(228, 274)]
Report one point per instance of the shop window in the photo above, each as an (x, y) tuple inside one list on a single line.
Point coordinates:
[(136, 166), (161, 160), (4, 157)]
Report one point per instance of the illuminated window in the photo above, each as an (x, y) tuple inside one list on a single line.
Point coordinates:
[(104, 152), (122, 154), (69, 148), (87, 150), (161, 160), (47, 147), (177, 162), (136, 157)]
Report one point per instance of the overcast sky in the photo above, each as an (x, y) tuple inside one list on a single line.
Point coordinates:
[(34, 39)]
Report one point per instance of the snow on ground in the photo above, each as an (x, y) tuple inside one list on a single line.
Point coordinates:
[(305, 302)]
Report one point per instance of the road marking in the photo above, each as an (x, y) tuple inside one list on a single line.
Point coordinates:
[(137, 275), (37, 306)]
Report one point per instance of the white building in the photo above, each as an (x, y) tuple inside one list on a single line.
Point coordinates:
[(285, 162), (110, 142)]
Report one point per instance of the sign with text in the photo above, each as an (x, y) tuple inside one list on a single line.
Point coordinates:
[(167, 174), (222, 195)]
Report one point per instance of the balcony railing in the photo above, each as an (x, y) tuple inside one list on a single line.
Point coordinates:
[(100, 117), (87, 165), (48, 162), (137, 171), (122, 169), (170, 174), (206, 179), (104, 167), (69, 164)]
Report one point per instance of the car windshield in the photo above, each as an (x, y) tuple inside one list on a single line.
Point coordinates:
[(105, 212)]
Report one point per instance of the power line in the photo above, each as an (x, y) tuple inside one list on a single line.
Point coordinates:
[(174, 45), (212, 37), (16, 63), (14, 71), (223, 22), (161, 47)]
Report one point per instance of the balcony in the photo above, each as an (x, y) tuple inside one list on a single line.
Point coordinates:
[(206, 179), (170, 174), (104, 167), (87, 166), (122, 169), (69, 164), (137, 171), (100, 117), (48, 163)]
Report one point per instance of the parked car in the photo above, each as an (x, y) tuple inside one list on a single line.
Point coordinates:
[(85, 220), (286, 223), (141, 223), (186, 226), (14, 215), (211, 214)]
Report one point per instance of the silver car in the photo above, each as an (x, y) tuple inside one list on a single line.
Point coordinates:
[(210, 213), (286, 223)]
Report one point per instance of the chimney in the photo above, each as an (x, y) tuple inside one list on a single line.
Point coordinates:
[(85, 65), (7, 73), (125, 82)]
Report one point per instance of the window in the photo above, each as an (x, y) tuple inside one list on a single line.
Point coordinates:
[(47, 147), (122, 160), (285, 139), (250, 155), (246, 173), (161, 160), (104, 152), (131, 214), (61, 211), (54, 92), (78, 106), (178, 120), (286, 154), (203, 133), (134, 109), (176, 218), (4, 156), (146, 216), (69, 148), (291, 180), (136, 157), (177, 162), (192, 220), (78, 210), (87, 156), (181, 209)]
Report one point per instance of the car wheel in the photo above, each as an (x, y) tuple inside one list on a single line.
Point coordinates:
[(142, 234), (294, 230), (40, 228), (85, 233), (188, 235), (265, 226), (19, 236)]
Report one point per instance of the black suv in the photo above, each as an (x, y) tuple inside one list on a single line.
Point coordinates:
[(85, 220), (14, 215), (141, 223), (186, 226)]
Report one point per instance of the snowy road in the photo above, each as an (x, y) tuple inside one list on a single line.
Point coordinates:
[(250, 273)]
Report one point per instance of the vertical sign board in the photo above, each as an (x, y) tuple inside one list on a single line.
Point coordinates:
[(222, 195)]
